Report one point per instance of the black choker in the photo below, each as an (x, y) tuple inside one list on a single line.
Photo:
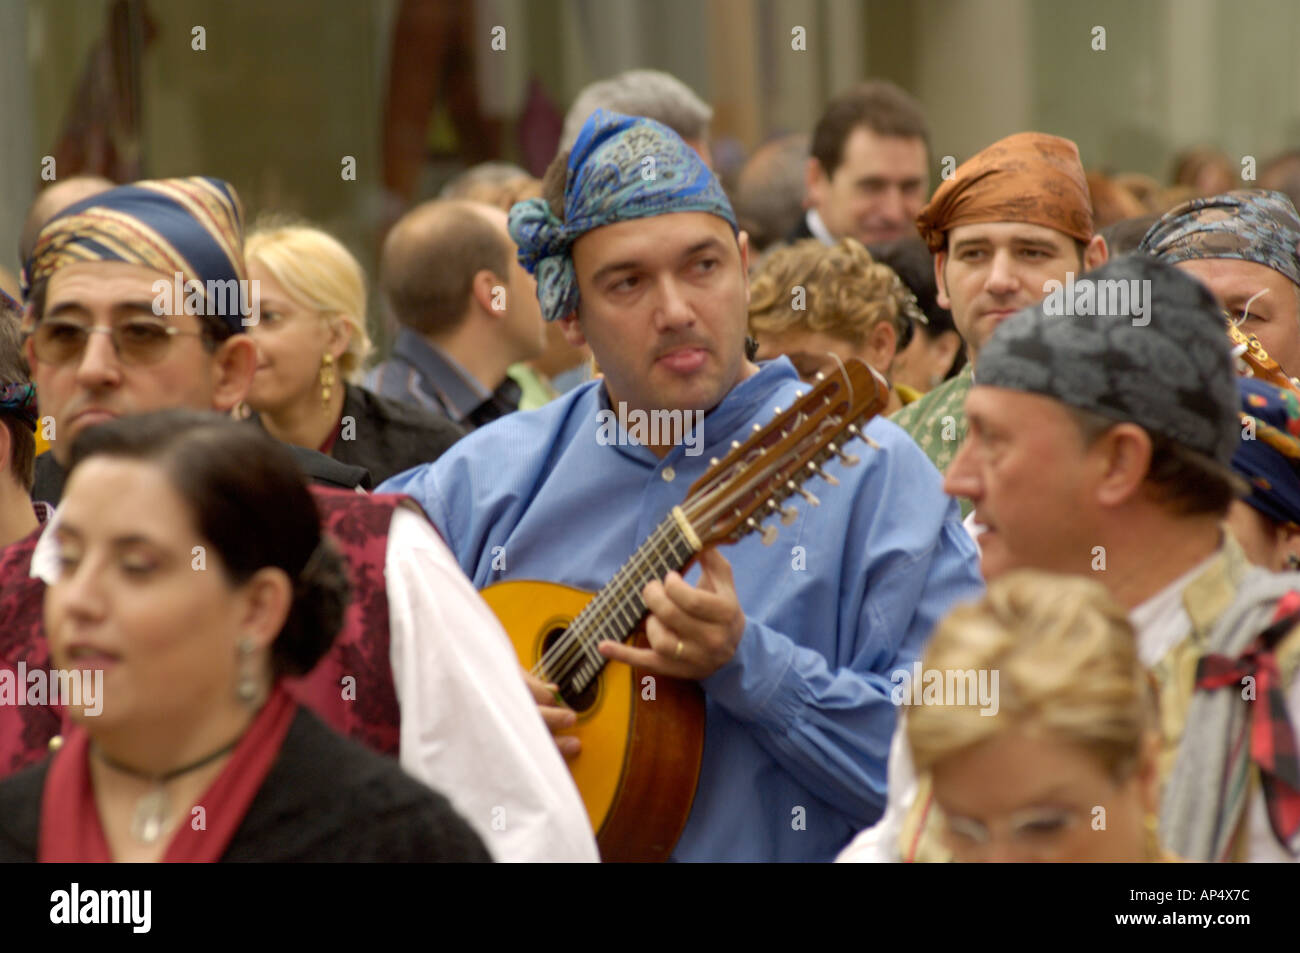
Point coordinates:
[(151, 811)]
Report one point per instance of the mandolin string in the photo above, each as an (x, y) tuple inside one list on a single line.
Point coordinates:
[(572, 637), (604, 609), (625, 586), (609, 605)]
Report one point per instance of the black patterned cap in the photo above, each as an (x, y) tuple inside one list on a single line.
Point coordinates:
[(1249, 224), (1135, 340)]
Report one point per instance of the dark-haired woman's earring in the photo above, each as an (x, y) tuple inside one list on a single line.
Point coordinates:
[(1292, 562), (246, 688), (326, 379)]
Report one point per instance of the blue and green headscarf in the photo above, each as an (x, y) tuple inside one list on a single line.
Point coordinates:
[(1268, 454), (621, 168)]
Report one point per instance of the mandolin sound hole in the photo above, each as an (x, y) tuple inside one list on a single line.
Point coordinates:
[(579, 701)]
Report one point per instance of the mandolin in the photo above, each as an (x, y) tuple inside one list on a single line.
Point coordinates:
[(1255, 361), (643, 735)]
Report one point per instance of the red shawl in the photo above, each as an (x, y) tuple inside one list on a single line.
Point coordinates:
[(70, 828)]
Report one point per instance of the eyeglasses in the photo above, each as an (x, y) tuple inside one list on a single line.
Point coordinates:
[(1036, 829), (135, 342)]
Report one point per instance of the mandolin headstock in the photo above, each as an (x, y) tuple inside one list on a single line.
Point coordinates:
[(1255, 360), (747, 486)]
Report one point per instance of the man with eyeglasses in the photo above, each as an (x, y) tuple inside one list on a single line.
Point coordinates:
[(97, 345), (421, 670)]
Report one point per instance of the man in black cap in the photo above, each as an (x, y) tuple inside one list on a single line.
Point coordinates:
[(1243, 246), (1100, 444)]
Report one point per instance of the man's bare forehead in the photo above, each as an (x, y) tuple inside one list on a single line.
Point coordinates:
[(99, 278)]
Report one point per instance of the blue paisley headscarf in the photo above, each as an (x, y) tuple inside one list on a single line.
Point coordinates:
[(620, 168)]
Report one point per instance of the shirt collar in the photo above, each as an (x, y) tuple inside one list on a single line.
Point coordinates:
[(1169, 599), (818, 227), (454, 386), (740, 405)]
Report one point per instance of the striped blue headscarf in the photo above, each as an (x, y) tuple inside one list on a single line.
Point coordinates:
[(620, 168), (193, 227)]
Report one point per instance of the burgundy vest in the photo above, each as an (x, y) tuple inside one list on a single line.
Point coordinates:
[(351, 688), (25, 730)]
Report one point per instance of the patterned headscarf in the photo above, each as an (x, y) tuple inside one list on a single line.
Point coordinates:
[(193, 227), (1029, 177), (1249, 224), (16, 398), (620, 168), (1268, 453), (1170, 373)]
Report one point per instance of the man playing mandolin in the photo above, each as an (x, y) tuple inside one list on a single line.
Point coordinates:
[(637, 253)]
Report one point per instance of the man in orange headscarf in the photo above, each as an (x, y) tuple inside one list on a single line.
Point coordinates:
[(1013, 219)]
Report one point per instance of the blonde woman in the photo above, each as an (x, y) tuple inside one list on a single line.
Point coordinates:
[(1058, 761), (312, 341), (815, 303)]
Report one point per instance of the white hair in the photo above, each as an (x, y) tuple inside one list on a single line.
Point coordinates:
[(640, 92)]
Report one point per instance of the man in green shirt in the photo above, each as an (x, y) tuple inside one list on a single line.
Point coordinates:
[(1012, 221)]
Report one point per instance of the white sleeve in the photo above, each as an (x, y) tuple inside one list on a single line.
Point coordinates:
[(878, 844), (470, 728)]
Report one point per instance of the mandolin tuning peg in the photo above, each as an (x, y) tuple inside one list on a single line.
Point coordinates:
[(869, 442), (788, 515), (848, 459), (820, 376), (735, 445), (823, 474), (769, 535), (794, 488), (798, 393), (776, 411), (713, 461), (757, 427)]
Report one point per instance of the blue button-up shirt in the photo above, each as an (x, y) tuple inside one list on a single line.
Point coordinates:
[(799, 721)]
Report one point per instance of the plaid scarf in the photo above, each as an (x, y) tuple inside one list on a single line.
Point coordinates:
[(1206, 793), (1272, 737)]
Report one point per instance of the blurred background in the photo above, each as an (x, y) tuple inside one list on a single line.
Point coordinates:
[(277, 97)]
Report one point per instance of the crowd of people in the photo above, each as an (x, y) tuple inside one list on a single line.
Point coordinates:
[(1048, 611)]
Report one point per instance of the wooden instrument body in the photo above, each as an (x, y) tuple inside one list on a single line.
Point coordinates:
[(643, 735), (642, 741)]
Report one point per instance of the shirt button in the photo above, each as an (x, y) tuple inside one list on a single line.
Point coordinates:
[(56, 742), (668, 474)]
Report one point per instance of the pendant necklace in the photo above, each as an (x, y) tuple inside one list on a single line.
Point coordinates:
[(151, 811)]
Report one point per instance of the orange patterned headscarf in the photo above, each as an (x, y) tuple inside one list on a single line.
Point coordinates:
[(1029, 177)]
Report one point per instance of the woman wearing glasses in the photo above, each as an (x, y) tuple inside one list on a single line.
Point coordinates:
[(1059, 764), (312, 341), (188, 577)]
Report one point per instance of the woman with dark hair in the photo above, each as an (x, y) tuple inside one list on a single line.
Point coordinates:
[(193, 578)]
